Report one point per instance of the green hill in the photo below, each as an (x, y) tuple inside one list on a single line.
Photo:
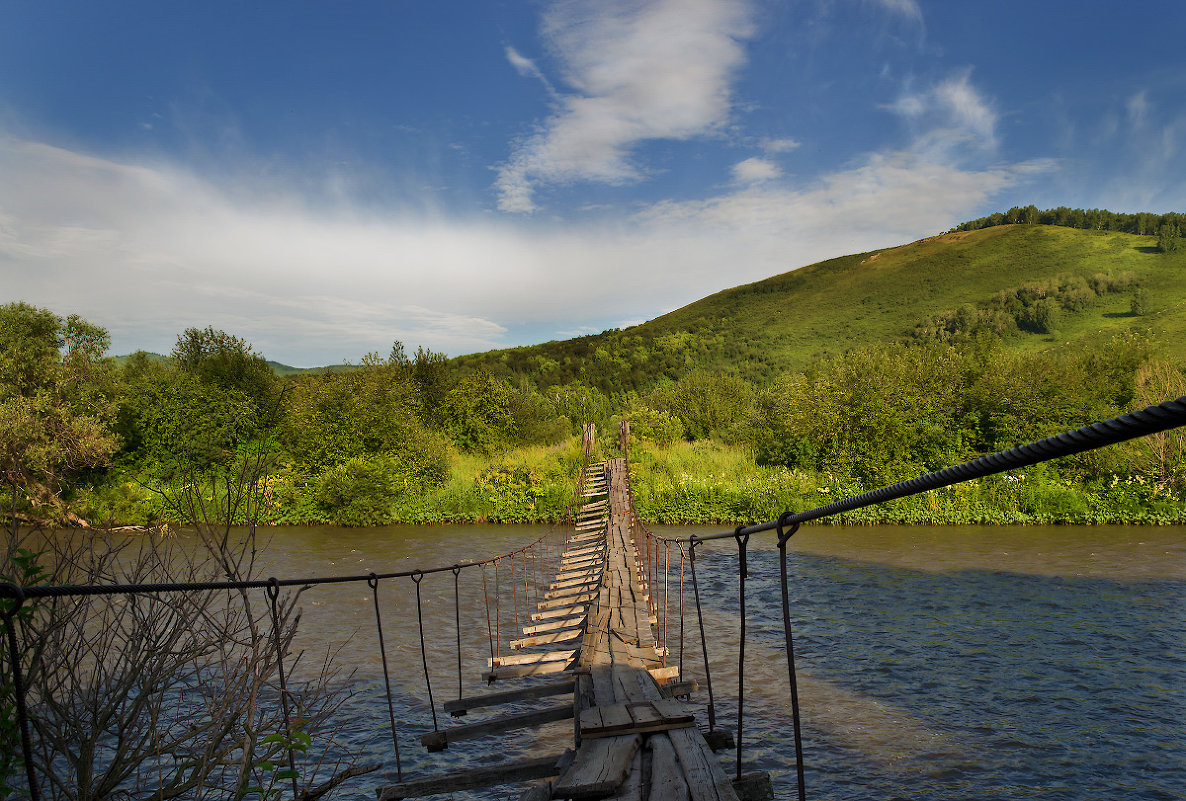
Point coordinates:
[(1040, 286)]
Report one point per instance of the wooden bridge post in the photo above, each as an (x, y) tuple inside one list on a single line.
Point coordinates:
[(588, 435), (624, 437)]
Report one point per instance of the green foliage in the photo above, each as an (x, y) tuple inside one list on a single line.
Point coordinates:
[(333, 417), (228, 363), (651, 425), (707, 404), (1169, 239), (367, 490), (477, 413), (55, 407), (176, 421)]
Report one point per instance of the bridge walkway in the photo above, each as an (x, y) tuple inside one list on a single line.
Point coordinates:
[(633, 739)]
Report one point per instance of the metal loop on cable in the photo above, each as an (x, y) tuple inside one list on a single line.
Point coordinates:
[(373, 581), (16, 592), (417, 576), (273, 588), (742, 542), (782, 521)]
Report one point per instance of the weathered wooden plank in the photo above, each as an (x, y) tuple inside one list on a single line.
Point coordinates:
[(571, 599), (561, 635), (553, 625), (664, 674), (631, 789), (591, 575), (568, 611), (600, 768), (439, 740), (470, 778), (706, 778), (667, 778), (530, 659), (519, 671), (572, 587), (462, 705)]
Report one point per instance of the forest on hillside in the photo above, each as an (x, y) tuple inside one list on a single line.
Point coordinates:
[(420, 438)]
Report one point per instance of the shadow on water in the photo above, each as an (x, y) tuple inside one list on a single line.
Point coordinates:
[(964, 683)]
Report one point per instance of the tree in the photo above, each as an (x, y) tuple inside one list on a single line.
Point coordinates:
[(55, 407), (228, 362), (1169, 239), (174, 695)]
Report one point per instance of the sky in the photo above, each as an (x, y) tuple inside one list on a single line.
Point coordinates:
[(323, 178)]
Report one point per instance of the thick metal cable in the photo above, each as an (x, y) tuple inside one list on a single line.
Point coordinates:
[(742, 575), (497, 609), (489, 627), (424, 651), (783, 538), (457, 616), (514, 599), (712, 710), (666, 572), (374, 585), (273, 591), (681, 609)]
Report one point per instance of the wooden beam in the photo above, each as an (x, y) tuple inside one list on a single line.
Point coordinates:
[(524, 770), (531, 659), (560, 635), (565, 612), (439, 740), (463, 705), (519, 671), (553, 625), (600, 768)]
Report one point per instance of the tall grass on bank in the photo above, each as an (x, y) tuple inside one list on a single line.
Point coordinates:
[(700, 482)]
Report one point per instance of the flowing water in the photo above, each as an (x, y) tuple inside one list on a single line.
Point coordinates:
[(934, 663)]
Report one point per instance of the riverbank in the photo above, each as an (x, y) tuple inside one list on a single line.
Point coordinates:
[(703, 482)]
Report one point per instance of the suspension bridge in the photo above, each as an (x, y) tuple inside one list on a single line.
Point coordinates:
[(593, 647)]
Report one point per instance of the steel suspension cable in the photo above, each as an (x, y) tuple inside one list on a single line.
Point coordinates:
[(742, 574), (712, 712), (424, 650), (273, 592), (783, 538), (374, 585), (457, 620), (489, 626)]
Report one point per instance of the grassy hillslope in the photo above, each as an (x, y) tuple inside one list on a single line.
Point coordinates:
[(760, 329)]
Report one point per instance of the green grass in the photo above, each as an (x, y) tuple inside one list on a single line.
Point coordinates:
[(761, 329)]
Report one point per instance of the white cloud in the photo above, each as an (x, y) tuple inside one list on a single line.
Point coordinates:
[(150, 250), (907, 8), (950, 115), (753, 170), (774, 146), (1138, 109), (637, 71)]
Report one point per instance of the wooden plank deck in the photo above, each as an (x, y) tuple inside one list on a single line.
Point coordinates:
[(634, 741)]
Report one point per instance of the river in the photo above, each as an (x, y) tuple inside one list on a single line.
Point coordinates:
[(935, 662)]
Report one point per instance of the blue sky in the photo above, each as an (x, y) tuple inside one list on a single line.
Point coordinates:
[(324, 178)]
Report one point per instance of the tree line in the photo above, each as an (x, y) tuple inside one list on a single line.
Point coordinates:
[(1167, 227), (85, 438)]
